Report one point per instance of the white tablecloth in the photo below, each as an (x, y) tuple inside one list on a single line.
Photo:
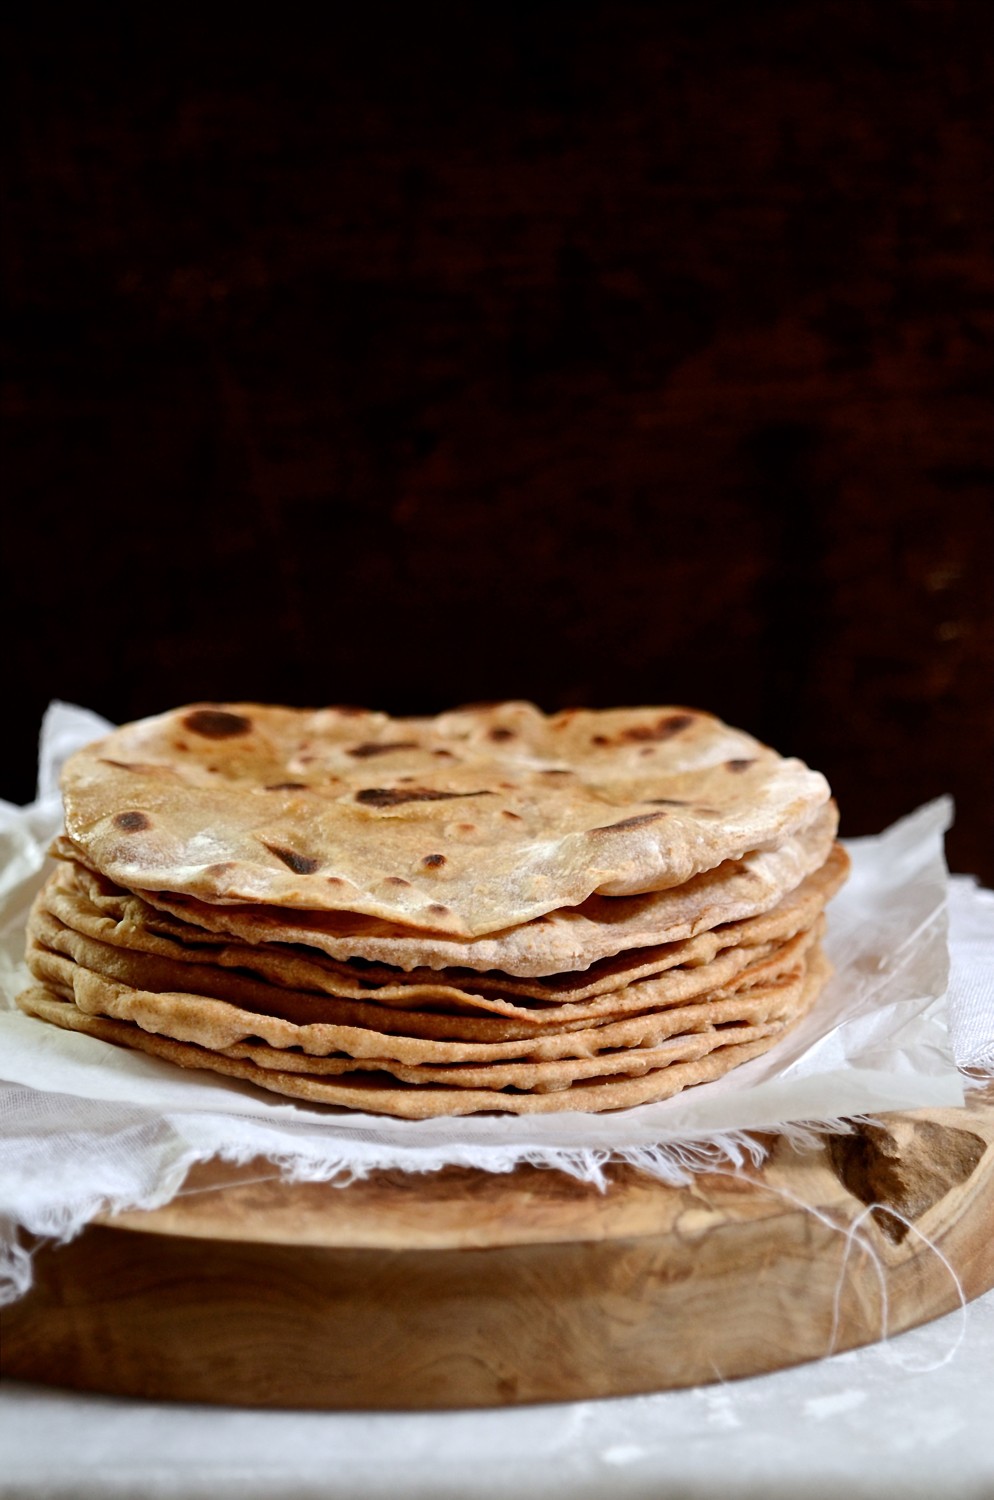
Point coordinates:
[(912, 1418)]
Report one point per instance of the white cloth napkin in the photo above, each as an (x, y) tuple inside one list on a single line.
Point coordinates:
[(87, 1127)]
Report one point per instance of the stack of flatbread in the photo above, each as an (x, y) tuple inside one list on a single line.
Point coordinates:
[(490, 910)]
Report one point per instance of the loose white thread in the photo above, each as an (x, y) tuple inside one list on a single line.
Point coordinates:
[(950, 1354), (852, 1235)]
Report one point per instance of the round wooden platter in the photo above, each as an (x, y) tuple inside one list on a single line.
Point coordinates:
[(463, 1288)]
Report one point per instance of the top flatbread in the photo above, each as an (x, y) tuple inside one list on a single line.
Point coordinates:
[(468, 823)]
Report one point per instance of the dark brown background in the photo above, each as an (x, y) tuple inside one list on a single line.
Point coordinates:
[(592, 353)]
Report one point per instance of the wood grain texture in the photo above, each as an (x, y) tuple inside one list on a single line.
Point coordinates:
[(466, 1289)]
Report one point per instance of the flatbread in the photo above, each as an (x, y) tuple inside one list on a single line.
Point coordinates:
[(562, 941), (63, 921), (379, 1093), (761, 993), (466, 824)]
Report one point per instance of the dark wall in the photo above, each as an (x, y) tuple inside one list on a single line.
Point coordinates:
[(591, 353)]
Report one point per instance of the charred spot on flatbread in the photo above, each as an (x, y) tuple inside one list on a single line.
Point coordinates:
[(370, 749), (378, 796), (641, 820), (216, 723), (300, 864), (132, 821)]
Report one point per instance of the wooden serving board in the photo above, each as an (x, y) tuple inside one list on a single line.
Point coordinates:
[(468, 1289)]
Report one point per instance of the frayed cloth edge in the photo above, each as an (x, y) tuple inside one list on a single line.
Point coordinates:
[(674, 1163)]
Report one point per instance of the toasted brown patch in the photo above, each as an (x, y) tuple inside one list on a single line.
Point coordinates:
[(367, 751), (300, 864), (637, 822), (378, 796), (663, 729), (132, 822), (216, 723)]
